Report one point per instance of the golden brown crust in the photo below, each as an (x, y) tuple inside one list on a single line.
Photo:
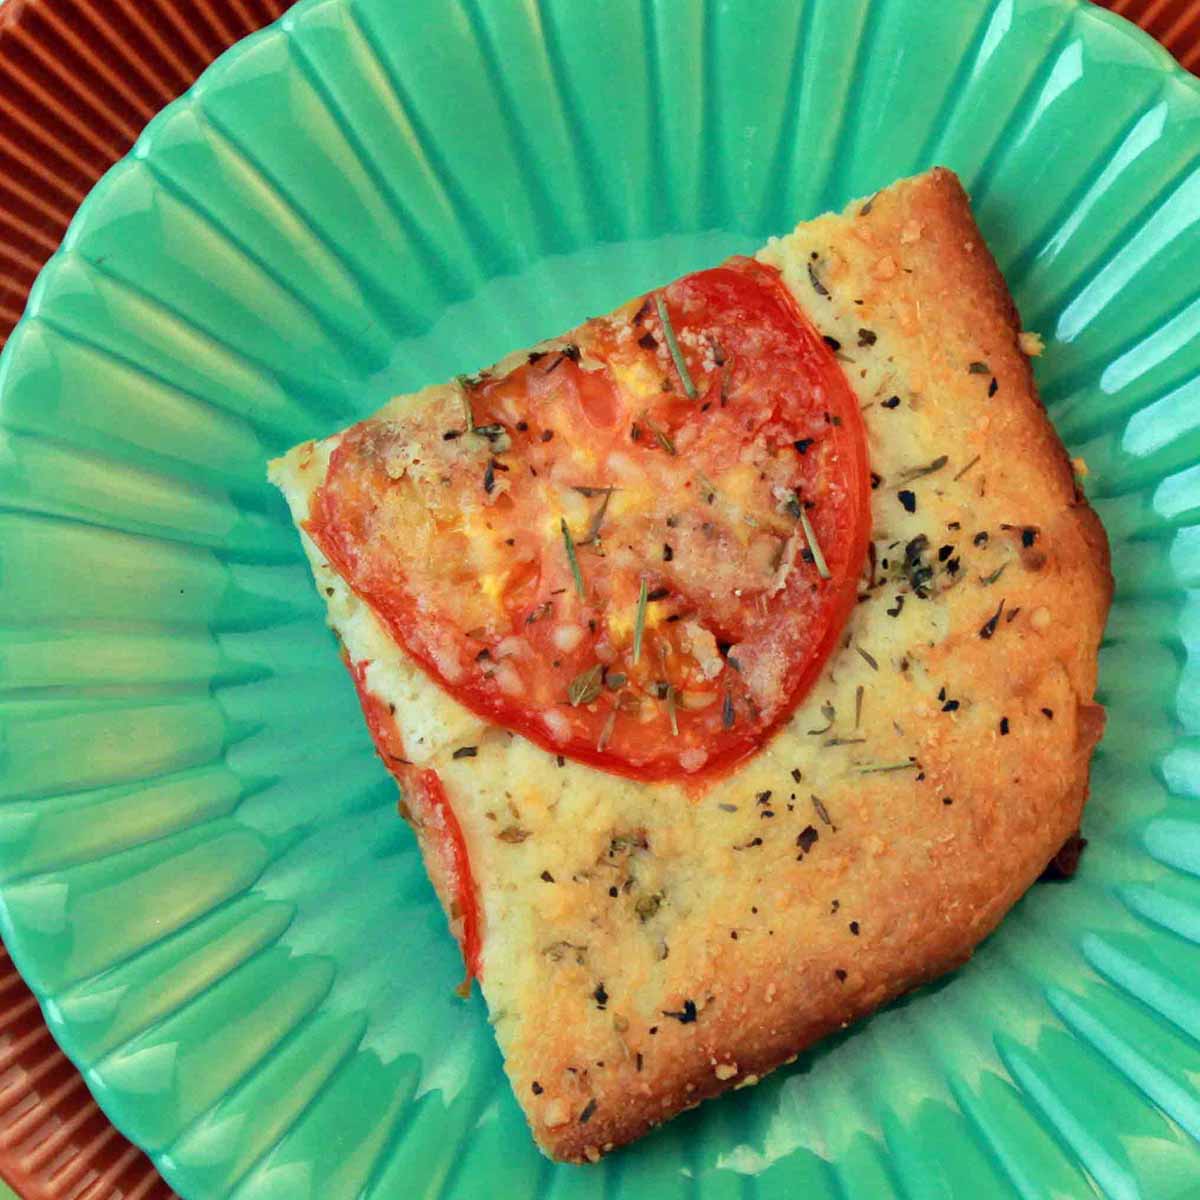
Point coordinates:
[(949, 305), (648, 946)]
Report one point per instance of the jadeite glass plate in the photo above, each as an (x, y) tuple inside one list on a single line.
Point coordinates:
[(202, 874)]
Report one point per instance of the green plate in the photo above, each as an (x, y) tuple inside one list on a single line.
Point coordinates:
[(201, 870)]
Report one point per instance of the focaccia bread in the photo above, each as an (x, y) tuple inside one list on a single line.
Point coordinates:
[(735, 653)]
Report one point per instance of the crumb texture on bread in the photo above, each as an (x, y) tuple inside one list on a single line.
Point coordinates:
[(646, 945)]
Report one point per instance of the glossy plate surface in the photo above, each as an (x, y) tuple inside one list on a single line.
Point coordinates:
[(201, 870)]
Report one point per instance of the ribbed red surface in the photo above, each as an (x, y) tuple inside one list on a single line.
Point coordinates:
[(1175, 23), (78, 81), (55, 1144)]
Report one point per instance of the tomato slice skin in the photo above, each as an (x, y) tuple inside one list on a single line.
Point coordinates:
[(507, 549), (429, 804), (432, 802)]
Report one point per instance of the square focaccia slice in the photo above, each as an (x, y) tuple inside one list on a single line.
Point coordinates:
[(734, 653)]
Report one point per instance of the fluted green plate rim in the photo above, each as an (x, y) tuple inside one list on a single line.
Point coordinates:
[(201, 873)]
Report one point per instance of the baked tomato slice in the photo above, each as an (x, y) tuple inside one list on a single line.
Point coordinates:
[(430, 809), (637, 548)]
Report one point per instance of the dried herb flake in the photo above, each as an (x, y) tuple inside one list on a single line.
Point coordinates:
[(686, 1015), (810, 536), (585, 687), (988, 628), (907, 476), (660, 437)]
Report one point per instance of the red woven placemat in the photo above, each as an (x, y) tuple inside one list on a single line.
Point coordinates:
[(78, 81), (1175, 23), (80, 78)]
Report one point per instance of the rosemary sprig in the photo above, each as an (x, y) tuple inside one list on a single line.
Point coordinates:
[(967, 467), (569, 543), (904, 766), (639, 624), (810, 536), (593, 530), (673, 345)]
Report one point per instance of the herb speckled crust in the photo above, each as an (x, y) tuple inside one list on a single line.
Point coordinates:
[(647, 946)]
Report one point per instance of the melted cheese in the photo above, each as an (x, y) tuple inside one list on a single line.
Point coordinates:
[(701, 863)]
